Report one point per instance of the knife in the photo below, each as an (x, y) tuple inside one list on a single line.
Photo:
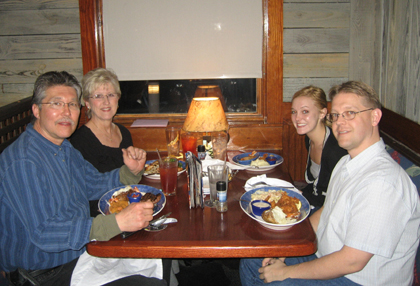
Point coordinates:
[(127, 233)]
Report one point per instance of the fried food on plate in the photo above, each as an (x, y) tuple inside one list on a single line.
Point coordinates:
[(119, 199)]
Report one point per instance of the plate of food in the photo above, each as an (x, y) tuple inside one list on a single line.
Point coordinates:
[(152, 169), (116, 199), (258, 161), (288, 207)]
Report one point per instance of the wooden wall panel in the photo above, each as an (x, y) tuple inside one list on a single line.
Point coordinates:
[(316, 41), (28, 22), (321, 15), (242, 137), (36, 36), (365, 42), (294, 150), (316, 65), (316, 44), (40, 47), (399, 87), (292, 85), (26, 71), (11, 5)]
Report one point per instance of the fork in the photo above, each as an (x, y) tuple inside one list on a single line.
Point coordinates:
[(266, 184)]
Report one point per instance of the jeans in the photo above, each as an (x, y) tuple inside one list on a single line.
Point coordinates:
[(250, 276)]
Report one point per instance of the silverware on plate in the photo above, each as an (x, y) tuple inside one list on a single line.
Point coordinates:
[(156, 223)]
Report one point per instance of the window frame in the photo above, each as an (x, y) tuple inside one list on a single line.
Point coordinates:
[(269, 88)]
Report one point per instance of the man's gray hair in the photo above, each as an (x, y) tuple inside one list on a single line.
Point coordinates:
[(50, 79)]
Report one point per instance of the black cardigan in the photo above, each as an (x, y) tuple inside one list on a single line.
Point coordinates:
[(102, 157), (331, 154)]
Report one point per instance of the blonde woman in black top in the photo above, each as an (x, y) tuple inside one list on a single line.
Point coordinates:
[(309, 110), (100, 140)]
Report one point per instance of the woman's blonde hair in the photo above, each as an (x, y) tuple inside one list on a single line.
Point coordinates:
[(97, 78)]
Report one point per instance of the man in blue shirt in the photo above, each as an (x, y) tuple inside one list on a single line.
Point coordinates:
[(46, 185)]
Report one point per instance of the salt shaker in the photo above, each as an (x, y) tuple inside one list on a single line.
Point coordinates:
[(221, 205), (201, 152)]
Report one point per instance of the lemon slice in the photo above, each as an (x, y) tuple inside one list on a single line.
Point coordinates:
[(299, 205)]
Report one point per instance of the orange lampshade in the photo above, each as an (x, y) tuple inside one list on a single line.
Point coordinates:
[(206, 114)]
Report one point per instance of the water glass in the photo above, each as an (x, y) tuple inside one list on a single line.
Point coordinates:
[(173, 140), (216, 173), (168, 169), (219, 143)]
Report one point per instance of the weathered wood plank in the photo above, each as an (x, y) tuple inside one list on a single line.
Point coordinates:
[(40, 47), (292, 85), (53, 21), (319, 15), (13, 5), (396, 49), (316, 41), (16, 89), (27, 71), (413, 77), (316, 65), (316, 1), (365, 42)]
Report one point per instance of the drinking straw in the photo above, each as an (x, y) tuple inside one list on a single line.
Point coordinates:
[(160, 158)]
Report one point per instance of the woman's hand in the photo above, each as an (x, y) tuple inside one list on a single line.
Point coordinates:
[(134, 159)]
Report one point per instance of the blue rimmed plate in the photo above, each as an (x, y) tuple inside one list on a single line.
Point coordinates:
[(246, 207), (104, 205), (279, 160)]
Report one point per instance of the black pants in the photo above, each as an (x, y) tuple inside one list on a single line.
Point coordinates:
[(61, 275)]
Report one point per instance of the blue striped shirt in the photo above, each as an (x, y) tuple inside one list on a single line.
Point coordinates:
[(44, 202)]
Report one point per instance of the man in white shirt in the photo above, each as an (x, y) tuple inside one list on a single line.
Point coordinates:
[(368, 229)]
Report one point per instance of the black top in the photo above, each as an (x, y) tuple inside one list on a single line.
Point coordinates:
[(102, 157), (331, 154)]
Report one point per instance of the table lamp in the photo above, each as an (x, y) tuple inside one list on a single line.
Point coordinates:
[(205, 116)]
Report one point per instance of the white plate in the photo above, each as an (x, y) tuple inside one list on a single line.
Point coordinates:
[(104, 206), (246, 207), (157, 176)]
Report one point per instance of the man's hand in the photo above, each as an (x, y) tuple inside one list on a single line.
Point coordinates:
[(135, 217), (273, 269), (134, 159)]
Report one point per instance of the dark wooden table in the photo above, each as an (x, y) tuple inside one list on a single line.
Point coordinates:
[(206, 233)]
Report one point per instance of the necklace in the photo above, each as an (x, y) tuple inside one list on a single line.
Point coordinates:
[(108, 136)]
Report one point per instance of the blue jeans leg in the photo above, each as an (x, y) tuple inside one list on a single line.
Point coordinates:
[(250, 276)]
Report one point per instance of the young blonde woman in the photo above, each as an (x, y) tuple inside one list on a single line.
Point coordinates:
[(309, 110)]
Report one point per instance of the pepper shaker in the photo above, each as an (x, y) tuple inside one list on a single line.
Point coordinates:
[(221, 205), (201, 152)]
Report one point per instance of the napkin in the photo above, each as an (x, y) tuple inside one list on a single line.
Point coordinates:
[(91, 270), (271, 181), (209, 161)]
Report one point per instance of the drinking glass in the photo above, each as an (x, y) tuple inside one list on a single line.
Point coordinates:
[(173, 140), (168, 169), (216, 173), (189, 143), (219, 143)]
